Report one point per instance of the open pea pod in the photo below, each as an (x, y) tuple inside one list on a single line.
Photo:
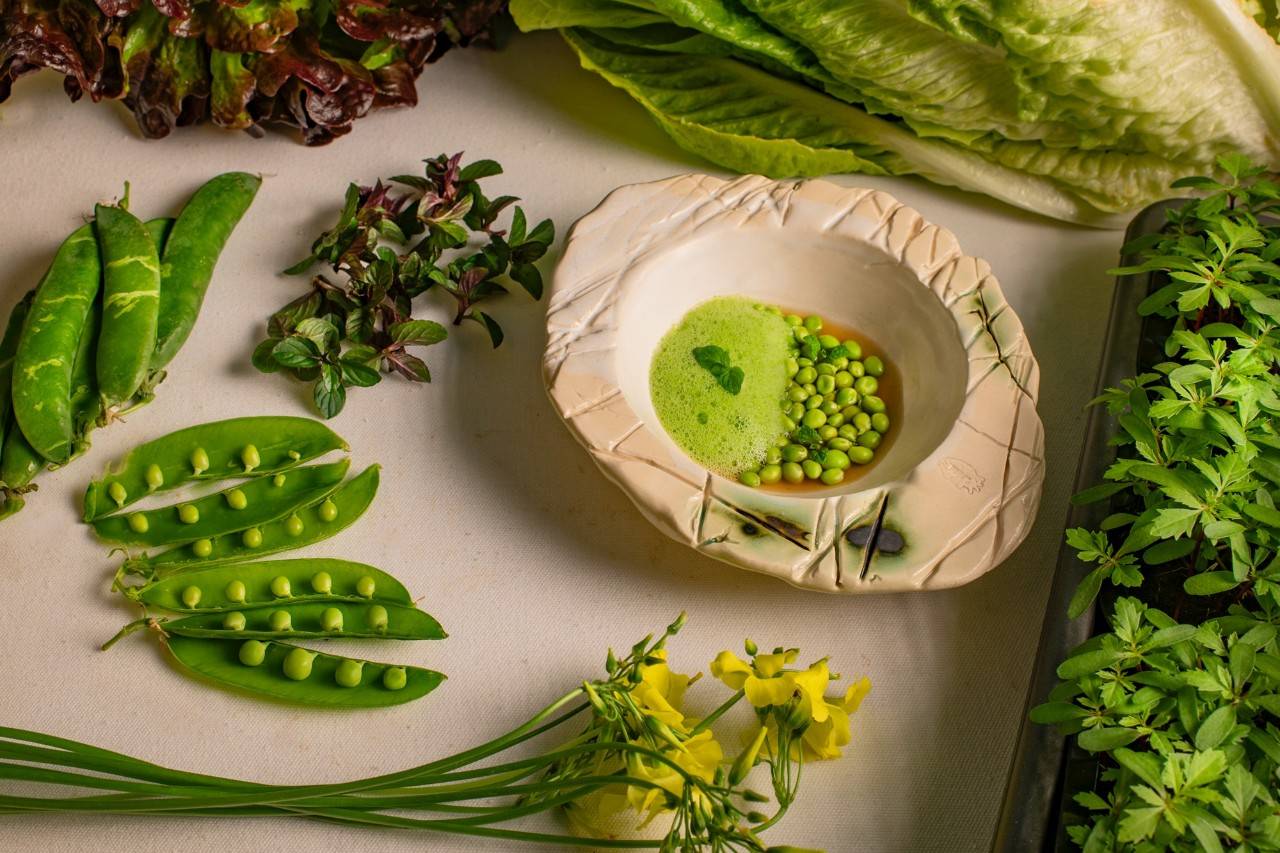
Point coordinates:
[(250, 504), (311, 620), (302, 527), (241, 585), (220, 450), (301, 676)]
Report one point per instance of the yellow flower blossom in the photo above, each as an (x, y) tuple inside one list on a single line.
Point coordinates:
[(699, 758), (824, 738), (597, 815), (661, 692), (762, 680)]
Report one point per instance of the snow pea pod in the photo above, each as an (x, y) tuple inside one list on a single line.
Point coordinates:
[(8, 347), (249, 504), (212, 451), (309, 524), (293, 674), (46, 351), (190, 253), (251, 585), (311, 620), (130, 304)]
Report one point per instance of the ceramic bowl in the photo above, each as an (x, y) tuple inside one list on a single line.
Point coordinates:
[(948, 500)]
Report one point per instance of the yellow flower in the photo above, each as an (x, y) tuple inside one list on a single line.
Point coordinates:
[(597, 815), (824, 738), (700, 756), (661, 692), (762, 680)]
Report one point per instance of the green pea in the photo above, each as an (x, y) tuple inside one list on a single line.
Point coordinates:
[(829, 408), (850, 412), (188, 514), (814, 418), (794, 320), (394, 678), (866, 385), (297, 664), (349, 673), (252, 537), (796, 394), (861, 455), (825, 369), (365, 587), (800, 333), (793, 367), (328, 510), (773, 456), (331, 619), (235, 592), (117, 493), (782, 441), (839, 443), (847, 431), (792, 472), (874, 366), (234, 621), (154, 476), (827, 431), (837, 459), (870, 438), (322, 582), (280, 620), (872, 405), (253, 652), (293, 525), (832, 476), (278, 480), (236, 499), (280, 587), (377, 618), (836, 420), (805, 374), (880, 422), (199, 461), (862, 422), (844, 380), (813, 323), (138, 523), (825, 384), (191, 597), (814, 402), (840, 363), (845, 396), (809, 388), (854, 348), (812, 469), (795, 453), (749, 478), (856, 369), (201, 547), (791, 423), (770, 474), (828, 341), (250, 457)]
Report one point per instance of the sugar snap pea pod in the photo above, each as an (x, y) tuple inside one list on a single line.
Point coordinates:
[(19, 461), (8, 347), (309, 524), (243, 585), (86, 405), (159, 231), (47, 348), (213, 451), (294, 674), (130, 304), (310, 621), (190, 253), (251, 503)]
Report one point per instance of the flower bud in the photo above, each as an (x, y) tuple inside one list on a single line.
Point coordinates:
[(594, 698), (674, 627), (753, 796), (662, 731), (610, 663), (747, 759), (751, 647), (757, 817)]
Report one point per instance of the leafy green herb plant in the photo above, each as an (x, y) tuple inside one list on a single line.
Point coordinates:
[(715, 360), (437, 233)]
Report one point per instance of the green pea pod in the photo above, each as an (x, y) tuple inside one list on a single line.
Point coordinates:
[(8, 347), (19, 462), (130, 304), (195, 241), (309, 524), (250, 504), (159, 231), (86, 404), (250, 585), (316, 683), (311, 620), (46, 351), (213, 451)]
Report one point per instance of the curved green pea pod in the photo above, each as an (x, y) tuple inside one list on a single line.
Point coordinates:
[(8, 347), (358, 622), (19, 461), (46, 351), (158, 229), (219, 661), (86, 404), (190, 253), (281, 443), (130, 304), (213, 583), (264, 502), (350, 499)]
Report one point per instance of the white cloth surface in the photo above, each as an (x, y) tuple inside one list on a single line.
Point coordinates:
[(488, 509)]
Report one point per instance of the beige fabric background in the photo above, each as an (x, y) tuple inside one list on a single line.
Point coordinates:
[(488, 509)]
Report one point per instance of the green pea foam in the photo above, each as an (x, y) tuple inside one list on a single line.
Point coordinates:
[(725, 432)]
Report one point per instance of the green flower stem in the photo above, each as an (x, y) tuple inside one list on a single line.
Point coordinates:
[(710, 719)]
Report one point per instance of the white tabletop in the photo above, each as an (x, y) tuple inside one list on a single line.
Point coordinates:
[(528, 556)]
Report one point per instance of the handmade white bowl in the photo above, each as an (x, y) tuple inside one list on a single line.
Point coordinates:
[(957, 489)]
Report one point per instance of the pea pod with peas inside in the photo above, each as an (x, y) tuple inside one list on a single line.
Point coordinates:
[(248, 504), (130, 304), (214, 451), (310, 620), (243, 585), (11, 500), (307, 525), (298, 675)]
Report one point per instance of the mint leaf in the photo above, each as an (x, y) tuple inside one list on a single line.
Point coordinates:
[(731, 380), (712, 358)]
